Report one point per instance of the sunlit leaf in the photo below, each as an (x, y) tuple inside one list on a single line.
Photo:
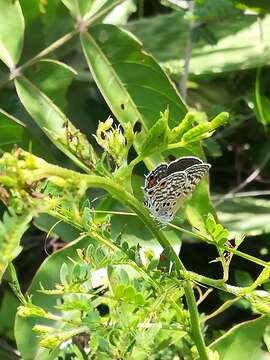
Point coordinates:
[(233, 214), (236, 48), (100, 8), (261, 6), (11, 230), (244, 339), (120, 14), (11, 32)]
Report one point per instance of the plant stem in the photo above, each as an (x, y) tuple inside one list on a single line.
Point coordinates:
[(227, 248), (194, 321), (175, 145), (55, 45), (220, 309), (188, 51), (247, 257), (216, 283)]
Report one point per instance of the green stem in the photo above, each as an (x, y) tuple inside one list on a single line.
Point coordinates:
[(191, 233), (135, 161), (220, 309), (258, 96), (176, 145), (55, 45), (194, 321), (247, 257), (227, 248), (215, 283)]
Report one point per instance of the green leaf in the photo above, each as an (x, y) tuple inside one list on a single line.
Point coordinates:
[(156, 138), (132, 83), (53, 78), (100, 8), (197, 133), (73, 7), (242, 278), (121, 13), (64, 274), (262, 111), (129, 293), (55, 124), (11, 32), (12, 229), (137, 90), (200, 205), (236, 45), (261, 6), (13, 131), (185, 124), (210, 223), (8, 308), (233, 214), (133, 232), (89, 8), (48, 275), (244, 339), (217, 231)]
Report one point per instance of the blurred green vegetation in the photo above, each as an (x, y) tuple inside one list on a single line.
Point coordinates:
[(220, 48)]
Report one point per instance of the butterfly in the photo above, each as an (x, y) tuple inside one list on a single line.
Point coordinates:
[(167, 185)]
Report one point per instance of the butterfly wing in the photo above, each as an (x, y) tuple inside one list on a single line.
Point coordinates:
[(195, 174), (182, 164), (157, 174), (167, 196), (166, 187)]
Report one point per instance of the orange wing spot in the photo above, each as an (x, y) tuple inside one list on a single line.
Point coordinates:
[(152, 182)]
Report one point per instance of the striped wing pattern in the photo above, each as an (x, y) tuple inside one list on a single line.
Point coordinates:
[(164, 193)]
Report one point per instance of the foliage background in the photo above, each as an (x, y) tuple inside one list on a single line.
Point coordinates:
[(228, 71)]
